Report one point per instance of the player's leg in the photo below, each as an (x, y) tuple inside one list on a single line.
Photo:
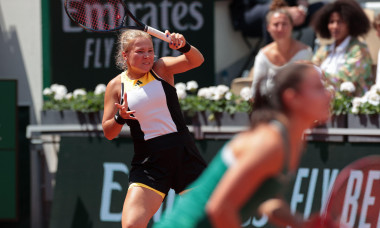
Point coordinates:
[(139, 207)]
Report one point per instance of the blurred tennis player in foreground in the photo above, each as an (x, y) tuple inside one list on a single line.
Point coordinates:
[(251, 171), (144, 97)]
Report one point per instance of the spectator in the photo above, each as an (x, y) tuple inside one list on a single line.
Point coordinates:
[(249, 16), (282, 51), (346, 59), (376, 25)]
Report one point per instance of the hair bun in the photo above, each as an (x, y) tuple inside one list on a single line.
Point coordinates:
[(277, 4)]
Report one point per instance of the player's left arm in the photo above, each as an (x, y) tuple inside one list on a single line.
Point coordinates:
[(167, 67), (242, 179)]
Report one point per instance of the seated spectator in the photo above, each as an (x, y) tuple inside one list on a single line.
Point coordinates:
[(346, 59), (282, 51), (250, 16), (376, 25)]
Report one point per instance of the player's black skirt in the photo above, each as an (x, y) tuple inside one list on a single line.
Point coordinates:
[(168, 161)]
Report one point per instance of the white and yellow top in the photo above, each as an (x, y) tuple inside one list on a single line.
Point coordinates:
[(156, 104)]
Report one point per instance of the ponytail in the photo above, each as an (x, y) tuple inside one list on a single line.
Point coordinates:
[(262, 109), (277, 4), (268, 103)]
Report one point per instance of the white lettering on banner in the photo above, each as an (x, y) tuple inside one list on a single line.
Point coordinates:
[(90, 9), (179, 12), (108, 186), (255, 222), (355, 190), (164, 5), (99, 45), (108, 44), (133, 7), (196, 15), (153, 14), (98, 10), (351, 197), (354, 212), (310, 193), (297, 196), (246, 223), (97, 64), (67, 23), (88, 53), (260, 222), (150, 18), (368, 200), (183, 16), (305, 196), (327, 184)]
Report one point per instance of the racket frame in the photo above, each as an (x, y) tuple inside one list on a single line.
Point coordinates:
[(342, 179), (127, 13)]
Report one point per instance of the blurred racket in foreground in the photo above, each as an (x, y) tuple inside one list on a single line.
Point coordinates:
[(354, 201), (106, 16)]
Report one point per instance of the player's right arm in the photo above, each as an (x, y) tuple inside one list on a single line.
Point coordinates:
[(111, 129), (112, 96)]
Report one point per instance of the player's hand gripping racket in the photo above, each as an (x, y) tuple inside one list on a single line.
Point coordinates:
[(354, 200), (106, 16)]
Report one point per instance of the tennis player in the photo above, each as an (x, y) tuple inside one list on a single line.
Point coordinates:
[(251, 171), (144, 97)]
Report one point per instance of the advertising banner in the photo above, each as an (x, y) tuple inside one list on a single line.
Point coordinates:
[(8, 150), (82, 59), (92, 181)]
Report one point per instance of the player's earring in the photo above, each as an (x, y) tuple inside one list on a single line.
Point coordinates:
[(124, 55)]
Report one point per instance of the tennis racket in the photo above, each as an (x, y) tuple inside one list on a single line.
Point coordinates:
[(354, 200), (106, 16)]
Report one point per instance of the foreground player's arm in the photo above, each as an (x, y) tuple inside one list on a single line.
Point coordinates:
[(278, 212), (241, 180), (111, 129)]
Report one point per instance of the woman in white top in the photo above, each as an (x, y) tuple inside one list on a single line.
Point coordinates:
[(282, 51)]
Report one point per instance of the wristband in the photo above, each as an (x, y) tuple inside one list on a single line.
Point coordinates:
[(185, 48), (118, 119)]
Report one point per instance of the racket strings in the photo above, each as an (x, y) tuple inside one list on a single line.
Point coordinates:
[(97, 14)]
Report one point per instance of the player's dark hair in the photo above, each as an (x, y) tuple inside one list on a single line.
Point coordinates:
[(350, 11), (268, 103)]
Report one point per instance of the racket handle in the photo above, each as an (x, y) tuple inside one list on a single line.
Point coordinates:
[(156, 33)]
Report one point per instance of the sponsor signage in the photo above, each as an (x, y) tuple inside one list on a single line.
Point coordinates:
[(92, 181), (82, 59), (8, 150)]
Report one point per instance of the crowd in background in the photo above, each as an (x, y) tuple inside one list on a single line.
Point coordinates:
[(342, 22)]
